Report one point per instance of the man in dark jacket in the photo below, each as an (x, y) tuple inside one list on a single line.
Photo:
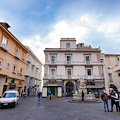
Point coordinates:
[(104, 97), (112, 100), (116, 99)]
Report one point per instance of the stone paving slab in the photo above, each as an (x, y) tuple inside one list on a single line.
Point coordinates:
[(57, 109)]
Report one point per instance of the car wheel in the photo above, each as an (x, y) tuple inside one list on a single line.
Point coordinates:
[(13, 106)]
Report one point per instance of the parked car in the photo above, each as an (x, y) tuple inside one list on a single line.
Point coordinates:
[(9, 98)]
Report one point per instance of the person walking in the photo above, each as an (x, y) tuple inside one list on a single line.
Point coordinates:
[(104, 97), (39, 96), (116, 99), (83, 95)]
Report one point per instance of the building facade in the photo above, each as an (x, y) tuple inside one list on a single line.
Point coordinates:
[(65, 66), (112, 71), (33, 73), (12, 61)]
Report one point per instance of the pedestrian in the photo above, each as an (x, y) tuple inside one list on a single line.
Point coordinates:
[(116, 99), (83, 95), (104, 97), (112, 99), (50, 95), (39, 96), (24, 94)]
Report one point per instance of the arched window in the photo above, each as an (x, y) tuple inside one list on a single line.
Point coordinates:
[(68, 46)]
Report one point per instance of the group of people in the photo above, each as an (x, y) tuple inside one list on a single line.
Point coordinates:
[(114, 100)]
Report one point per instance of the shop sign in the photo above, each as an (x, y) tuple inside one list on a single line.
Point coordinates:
[(52, 85), (20, 83), (12, 85)]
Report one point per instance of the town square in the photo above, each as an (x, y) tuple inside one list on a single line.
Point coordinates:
[(59, 60)]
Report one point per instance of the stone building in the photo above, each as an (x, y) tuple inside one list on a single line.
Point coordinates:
[(33, 73), (112, 71), (12, 60), (65, 66)]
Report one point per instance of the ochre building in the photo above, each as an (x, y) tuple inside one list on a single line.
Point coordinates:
[(12, 61)]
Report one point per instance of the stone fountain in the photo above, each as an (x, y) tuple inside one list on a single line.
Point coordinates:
[(78, 94)]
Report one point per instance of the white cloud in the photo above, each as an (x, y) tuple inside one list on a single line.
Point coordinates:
[(61, 30), (66, 29), (87, 20), (108, 27)]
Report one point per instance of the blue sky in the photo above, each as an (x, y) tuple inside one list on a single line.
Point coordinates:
[(41, 24)]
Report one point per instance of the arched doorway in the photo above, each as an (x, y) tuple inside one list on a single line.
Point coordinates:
[(69, 88)]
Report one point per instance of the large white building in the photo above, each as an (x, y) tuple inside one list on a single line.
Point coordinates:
[(65, 66), (33, 73)]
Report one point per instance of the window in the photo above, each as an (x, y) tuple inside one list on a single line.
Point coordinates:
[(17, 50), (21, 71), (118, 59), (23, 55), (14, 68), (6, 80), (68, 46), (53, 59), (8, 66), (89, 72), (68, 59), (87, 58), (80, 45), (68, 73), (52, 73), (110, 77), (4, 40), (0, 63)]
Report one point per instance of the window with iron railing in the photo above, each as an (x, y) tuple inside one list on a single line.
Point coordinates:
[(87, 58), (53, 59), (89, 72), (69, 73), (68, 59), (52, 73)]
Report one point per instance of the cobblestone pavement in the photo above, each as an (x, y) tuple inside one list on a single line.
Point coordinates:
[(56, 109)]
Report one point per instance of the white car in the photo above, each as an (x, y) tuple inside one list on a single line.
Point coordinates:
[(9, 98)]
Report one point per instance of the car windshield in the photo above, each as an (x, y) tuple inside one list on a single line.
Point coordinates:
[(9, 95)]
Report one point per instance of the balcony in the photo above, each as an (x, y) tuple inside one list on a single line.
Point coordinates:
[(17, 55), (4, 46), (87, 62), (89, 77)]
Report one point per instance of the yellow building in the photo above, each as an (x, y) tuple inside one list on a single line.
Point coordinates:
[(12, 60)]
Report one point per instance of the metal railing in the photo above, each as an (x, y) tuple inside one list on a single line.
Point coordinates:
[(4, 46)]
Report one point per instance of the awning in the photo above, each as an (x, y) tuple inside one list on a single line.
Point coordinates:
[(95, 86)]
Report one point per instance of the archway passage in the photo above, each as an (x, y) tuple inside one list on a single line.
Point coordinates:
[(69, 88)]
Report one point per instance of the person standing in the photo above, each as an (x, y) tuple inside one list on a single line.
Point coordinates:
[(50, 95), (104, 97), (112, 94), (116, 99), (83, 95)]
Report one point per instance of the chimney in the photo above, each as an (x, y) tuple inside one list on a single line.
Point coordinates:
[(5, 25)]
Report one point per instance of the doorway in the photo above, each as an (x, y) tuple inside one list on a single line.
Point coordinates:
[(69, 88), (4, 88), (52, 89)]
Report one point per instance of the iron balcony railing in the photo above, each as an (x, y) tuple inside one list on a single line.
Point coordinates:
[(4, 46)]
